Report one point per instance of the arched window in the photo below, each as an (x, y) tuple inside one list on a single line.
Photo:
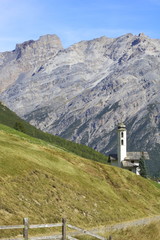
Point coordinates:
[(122, 134), (122, 142)]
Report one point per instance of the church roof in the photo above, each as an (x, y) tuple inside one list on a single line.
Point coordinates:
[(131, 156), (129, 164), (113, 157), (121, 126), (136, 156)]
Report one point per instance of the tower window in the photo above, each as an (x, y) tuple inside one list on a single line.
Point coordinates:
[(122, 142), (122, 134)]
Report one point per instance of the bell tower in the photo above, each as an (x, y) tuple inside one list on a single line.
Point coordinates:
[(122, 143)]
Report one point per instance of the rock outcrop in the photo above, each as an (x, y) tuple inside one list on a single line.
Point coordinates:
[(82, 92), (25, 58)]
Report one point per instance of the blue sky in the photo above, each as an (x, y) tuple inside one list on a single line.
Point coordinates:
[(76, 20)]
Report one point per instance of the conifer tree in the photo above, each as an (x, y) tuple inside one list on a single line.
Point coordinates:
[(19, 126), (143, 170)]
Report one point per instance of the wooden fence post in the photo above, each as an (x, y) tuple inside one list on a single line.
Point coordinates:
[(63, 229), (26, 227)]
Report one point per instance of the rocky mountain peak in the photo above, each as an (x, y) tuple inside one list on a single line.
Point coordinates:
[(24, 45), (26, 57), (52, 40), (142, 35), (47, 43)]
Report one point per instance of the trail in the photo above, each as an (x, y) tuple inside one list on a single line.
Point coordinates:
[(118, 226)]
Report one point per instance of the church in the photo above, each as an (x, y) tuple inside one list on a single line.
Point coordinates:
[(124, 159)]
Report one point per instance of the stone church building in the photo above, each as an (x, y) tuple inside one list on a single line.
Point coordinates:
[(124, 159)]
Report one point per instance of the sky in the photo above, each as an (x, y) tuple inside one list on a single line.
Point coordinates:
[(76, 20)]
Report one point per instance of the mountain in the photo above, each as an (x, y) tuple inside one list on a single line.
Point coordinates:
[(45, 183), (82, 92)]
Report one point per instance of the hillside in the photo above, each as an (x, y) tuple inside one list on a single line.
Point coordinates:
[(45, 183), (9, 118), (82, 92)]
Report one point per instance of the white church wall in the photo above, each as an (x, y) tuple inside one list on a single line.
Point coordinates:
[(122, 144)]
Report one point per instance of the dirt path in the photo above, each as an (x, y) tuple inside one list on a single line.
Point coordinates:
[(138, 222), (118, 226)]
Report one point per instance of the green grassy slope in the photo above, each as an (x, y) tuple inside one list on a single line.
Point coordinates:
[(45, 183), (9, 118)]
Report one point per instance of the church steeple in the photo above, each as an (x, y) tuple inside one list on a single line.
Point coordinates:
[(122, 143)]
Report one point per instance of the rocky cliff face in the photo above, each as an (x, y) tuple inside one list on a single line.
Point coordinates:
[(82, 92), (25, 58)]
